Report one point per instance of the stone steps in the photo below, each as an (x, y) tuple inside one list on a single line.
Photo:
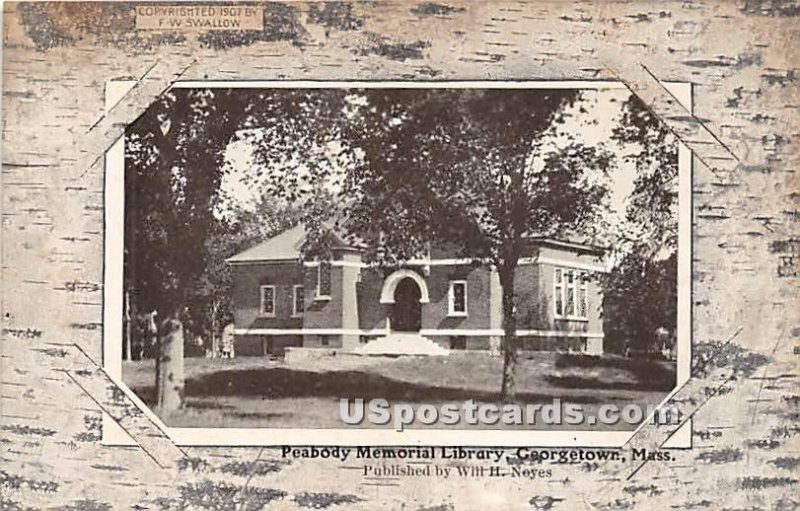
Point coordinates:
[(397, 343)]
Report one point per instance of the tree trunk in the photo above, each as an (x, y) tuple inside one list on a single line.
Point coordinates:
[(214, 328), (152, 345), (170, 376), (508, 390)]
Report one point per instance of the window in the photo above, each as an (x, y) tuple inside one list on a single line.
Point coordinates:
[(457, 298), (267, 301), (559, 292), (324, 279), (569, 286), (458, 342), (299, 301), (583, 296), (571, 294)]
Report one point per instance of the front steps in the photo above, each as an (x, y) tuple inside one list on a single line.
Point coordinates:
[(402, 343)]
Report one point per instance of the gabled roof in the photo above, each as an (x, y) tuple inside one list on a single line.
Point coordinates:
[(572, 243), (284, 246), (287, 246)]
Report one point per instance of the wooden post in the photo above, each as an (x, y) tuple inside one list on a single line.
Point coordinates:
[(128, 340)]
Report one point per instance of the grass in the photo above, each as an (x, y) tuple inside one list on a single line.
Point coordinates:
[(254, 392)]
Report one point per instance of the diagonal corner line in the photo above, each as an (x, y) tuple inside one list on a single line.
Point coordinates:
[(118, 101), (699, 157), (137, 85), (108, 119), (692, 115), (693, 411), (650, 437), (94, 162), (161, 434), (103, 409), (778, 342), (689, 417), (103, 370)]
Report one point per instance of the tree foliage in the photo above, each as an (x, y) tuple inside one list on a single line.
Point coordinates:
[(173, 238), (482, 171), (470, 168), (474, 169), (652, 207), (640, 296), (640, 292), (210, 304), (173, 163)]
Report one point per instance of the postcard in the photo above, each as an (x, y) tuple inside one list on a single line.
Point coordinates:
[(398, 255)]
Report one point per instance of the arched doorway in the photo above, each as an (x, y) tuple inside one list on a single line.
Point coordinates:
[(406, 313)]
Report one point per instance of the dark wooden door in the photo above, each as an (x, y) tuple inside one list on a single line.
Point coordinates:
[(406, 312)]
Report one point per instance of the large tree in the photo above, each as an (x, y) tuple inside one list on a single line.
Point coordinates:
[(175, 163), (482, 171), (173, 170)]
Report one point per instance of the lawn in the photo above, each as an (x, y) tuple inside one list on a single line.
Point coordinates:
[(254, 392)]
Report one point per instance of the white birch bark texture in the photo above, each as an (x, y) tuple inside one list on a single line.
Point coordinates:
[(742, 57)]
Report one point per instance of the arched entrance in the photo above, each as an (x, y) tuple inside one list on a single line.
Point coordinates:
[(391, 282), (406, 313)]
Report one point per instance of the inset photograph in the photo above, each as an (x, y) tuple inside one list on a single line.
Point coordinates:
[(318, 257)]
